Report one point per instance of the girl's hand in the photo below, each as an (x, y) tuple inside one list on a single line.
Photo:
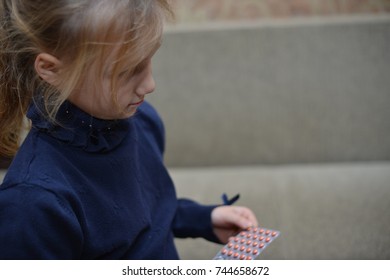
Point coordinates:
[(228, 221)]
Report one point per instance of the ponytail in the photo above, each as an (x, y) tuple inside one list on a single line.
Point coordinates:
[(15, 81)]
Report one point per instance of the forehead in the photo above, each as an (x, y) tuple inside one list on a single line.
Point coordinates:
[(126, 56)]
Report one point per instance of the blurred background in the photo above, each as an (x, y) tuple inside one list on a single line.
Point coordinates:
[(200, 11), (288, 104), (300, 81)]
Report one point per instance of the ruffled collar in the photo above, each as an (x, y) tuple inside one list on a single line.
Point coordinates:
[(77, 128)]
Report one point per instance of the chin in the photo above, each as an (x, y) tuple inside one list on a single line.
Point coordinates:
[(128, 113)]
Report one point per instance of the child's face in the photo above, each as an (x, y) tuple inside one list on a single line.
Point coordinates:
[(95, 97)]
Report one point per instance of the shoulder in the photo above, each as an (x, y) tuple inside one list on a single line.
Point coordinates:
[(26, 199), (37, 163), (150, 125), (36, 223), (37, 176), (148, 109), (148, 115)]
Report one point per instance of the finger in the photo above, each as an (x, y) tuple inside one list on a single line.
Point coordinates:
[(251, 217), (239, 219), (248, 215)]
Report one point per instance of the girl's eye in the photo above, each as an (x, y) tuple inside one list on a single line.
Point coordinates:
[(126, 74), (139, 69), (122, 74), (131, 72)]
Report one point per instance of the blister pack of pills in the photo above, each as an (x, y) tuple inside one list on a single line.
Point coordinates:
[(248, 244)]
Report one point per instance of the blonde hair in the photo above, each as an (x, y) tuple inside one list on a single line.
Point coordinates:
[(79, 33)]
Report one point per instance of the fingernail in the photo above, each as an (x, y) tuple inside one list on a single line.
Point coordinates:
[(247, 225)]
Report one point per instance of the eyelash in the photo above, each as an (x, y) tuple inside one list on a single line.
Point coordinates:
[(129, 73), (125, 73), (139, 68)]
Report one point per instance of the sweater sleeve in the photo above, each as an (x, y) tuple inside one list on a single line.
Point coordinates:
[(36, 224), (193, 220)]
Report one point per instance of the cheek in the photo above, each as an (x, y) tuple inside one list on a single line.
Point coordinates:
[(125, 92), (123, 95)]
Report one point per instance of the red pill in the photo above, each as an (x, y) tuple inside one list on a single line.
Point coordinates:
[(236, 255), (230, 253), (242, 248), (255, 251), (236, 246), (254, 244), (248, 242), (243, 241), (267, 232), (230, 244), (267, 239), (261, 245), (274, 233), (249, 258), (261, 231), (248, 235), (224, 251), (248, 250), (236, 239), (255, 236), (242, 257), (261, 238), (242, 233)]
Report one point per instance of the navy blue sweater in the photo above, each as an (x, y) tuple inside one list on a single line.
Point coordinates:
[(86, 188)]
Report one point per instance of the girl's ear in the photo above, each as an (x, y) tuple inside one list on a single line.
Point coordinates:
[(47, 67)]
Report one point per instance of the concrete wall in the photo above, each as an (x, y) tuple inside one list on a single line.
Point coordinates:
[(216, 10), (308, 90)]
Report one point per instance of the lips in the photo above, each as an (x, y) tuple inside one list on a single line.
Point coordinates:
[(137, 103)]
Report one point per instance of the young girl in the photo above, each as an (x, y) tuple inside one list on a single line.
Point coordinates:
[(89, 181)]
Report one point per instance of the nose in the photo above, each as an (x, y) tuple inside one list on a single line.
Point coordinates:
[(147, 84)]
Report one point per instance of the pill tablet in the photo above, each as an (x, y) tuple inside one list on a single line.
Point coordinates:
[(248, 244)]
